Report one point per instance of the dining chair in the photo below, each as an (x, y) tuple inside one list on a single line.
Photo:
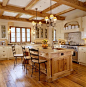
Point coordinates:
[(26, 58), (16, 55), (34, 54)]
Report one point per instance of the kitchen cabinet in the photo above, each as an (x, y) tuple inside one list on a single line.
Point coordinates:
[(3, 30), (84, 23), (59, 33), (3, 52), (6, 51), (82, 55), (83, 34), (41, 33)]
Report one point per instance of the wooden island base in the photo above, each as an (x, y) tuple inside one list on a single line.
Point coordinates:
[(59, 63)]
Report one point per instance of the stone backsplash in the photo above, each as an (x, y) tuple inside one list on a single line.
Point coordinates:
[(75, 38)]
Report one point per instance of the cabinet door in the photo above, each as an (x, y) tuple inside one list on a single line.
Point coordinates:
[(82, 55), (84, 23)]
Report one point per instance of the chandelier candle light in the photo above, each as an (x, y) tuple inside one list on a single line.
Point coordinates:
[(52, 19), (35, 23)]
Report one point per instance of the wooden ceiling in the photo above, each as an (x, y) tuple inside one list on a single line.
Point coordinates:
[(28, 9)]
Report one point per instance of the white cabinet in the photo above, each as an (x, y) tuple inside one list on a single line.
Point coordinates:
[(83, 34), (3, 30), (3, 52), (82, 55), (10, 53), (59, 34), (84, 23), (41, 33)]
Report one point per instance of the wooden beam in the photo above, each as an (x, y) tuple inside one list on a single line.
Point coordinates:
[(32, 17), (33, 2), (17, 16), (65, 11), (73, 3), (1, 12), (5, 2), (53, 6), (17, 19), (10, 8)]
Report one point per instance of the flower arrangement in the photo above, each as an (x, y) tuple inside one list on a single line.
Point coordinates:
[(44, 41), (44, 45)]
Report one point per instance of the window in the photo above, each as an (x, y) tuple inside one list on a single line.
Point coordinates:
[(54, 37), (19, 34)]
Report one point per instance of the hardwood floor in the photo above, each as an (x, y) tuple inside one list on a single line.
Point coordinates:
[(16, 77)]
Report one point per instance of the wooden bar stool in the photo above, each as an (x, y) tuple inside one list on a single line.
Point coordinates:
[(16, 55), (34, 54), (26, 58)]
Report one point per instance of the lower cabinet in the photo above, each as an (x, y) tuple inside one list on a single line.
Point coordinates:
[(3, 52), (82, 55), (6, 52)]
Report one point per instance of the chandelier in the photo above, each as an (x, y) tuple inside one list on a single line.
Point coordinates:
[(35, 26), (51, 20)]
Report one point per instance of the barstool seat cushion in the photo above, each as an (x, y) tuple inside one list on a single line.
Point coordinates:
[(40, 61), (18, 55), (27, 57)]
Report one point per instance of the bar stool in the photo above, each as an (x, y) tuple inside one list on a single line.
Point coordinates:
[(26, 58), (16, 55), (34, 54)]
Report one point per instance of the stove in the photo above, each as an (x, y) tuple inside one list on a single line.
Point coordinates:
[(75, 53)]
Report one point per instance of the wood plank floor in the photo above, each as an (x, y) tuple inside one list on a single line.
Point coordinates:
[(16, 77)]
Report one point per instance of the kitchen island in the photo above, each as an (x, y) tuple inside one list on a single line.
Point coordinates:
[(59, 62)]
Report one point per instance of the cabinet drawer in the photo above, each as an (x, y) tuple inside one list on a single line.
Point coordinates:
[(4, 56)]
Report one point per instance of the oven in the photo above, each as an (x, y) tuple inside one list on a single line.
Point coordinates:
[(75, 53)]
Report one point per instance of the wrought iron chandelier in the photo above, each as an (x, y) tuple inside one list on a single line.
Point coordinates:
[(35, 26), (51, 21)]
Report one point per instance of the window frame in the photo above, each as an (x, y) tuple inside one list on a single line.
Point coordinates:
[(20, 34)]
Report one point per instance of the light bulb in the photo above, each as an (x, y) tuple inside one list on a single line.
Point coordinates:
[(51, 16), (33, 23), (55, 18), (46, 18), (40, 23)]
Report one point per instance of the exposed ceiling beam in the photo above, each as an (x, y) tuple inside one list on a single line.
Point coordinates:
[(32, 17), (52, 7), (33, 2), (10, 8), (65, 11), (18, 15), (1, 12), (5, 2), (73, 3), (18, 19)]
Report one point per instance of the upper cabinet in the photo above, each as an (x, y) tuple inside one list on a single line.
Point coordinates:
[(83, 33), (74, 25), (41, 33), (59, 33), (3, 30)]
